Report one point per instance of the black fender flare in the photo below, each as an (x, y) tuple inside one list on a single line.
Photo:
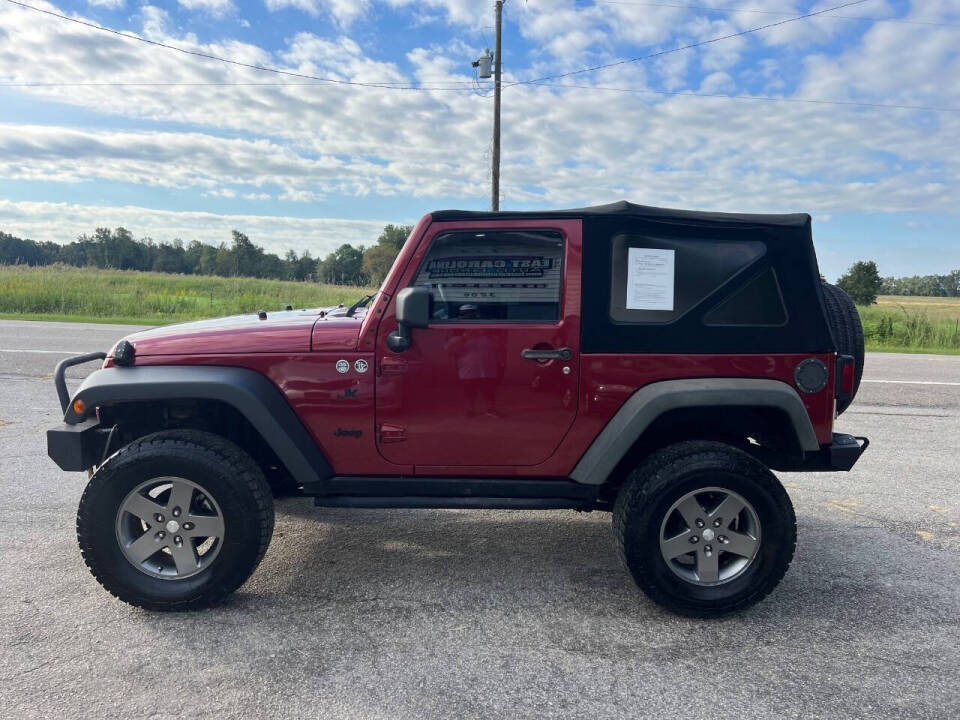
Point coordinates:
[(252, 394), (651, 401)]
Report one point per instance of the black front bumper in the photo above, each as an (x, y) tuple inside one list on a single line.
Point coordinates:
[(77, 447)]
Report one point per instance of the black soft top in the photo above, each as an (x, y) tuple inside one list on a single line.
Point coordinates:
[(768, 303), (624, 209)]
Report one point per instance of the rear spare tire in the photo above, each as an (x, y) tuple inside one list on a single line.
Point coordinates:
[(847, 331)]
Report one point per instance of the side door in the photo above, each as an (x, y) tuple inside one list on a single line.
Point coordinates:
[(493, 380)]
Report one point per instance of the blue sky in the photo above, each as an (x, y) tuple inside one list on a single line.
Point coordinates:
[(170, 145)]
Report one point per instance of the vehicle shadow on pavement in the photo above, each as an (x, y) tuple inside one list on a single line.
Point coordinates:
[(566, 561), (450, 554), (476, 610)]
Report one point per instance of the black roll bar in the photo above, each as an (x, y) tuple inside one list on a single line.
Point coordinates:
[(59, 375)]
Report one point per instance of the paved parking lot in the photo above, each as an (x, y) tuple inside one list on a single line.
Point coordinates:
[(450, 614)]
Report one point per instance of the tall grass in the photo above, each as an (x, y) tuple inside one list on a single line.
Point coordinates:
[(90, 294), (151, 298), (909, 329)]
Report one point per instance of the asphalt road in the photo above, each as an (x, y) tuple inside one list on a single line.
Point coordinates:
[(450, 614)]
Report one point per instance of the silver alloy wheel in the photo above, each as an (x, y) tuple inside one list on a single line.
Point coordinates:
[(170, 528), (710, 536)]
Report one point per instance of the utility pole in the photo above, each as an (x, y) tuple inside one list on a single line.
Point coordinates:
[(483, 64), (495, 180)]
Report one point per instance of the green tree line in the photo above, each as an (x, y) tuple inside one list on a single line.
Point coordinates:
[(863, 283), (924, 285), (119, 250)]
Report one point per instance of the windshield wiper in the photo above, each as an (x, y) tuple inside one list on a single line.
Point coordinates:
[(359, 304)]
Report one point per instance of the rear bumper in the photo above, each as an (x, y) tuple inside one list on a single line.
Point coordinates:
[(77, 447), (845, 450), (840, 455)]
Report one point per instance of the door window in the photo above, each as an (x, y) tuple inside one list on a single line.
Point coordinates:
[(500, 276)]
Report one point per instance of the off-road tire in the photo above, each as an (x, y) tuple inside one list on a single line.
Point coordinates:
[(847, 330), (666, 476), (218, 465)]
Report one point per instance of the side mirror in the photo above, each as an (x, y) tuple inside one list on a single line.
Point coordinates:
[(413, 311)]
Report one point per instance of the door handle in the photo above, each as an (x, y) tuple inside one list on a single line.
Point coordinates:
[(536, 354)]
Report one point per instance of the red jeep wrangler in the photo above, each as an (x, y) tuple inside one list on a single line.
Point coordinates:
[(652, 363)]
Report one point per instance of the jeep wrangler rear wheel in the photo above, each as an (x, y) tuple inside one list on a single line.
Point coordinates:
[(175, 521), (704, 528)]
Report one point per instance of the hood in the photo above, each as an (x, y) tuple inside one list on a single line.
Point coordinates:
[(280, 332)]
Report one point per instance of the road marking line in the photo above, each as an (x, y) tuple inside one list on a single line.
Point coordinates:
[(912, 382), (41, 352)]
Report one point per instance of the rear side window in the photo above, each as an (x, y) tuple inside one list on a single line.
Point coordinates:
[(657, 280), (499, 276), (759, 303)]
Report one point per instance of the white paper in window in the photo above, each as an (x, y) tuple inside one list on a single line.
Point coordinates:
[(650, 279)]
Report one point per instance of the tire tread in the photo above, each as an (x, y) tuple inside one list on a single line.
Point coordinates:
[(847, 329), (656, 474), (213, 447)]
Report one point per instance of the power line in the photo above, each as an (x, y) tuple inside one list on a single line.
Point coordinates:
[(459, 85), (814, 101), (771, 12), (471, 87), (387, 85), (682, 47)]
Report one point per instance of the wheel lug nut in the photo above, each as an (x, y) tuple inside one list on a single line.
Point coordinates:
[(188, 526), (718, 522), (161, 535), (694, 539), (708, 548), (723, 539), (176, 512), (158, 517), (177, 540), (699, 522)]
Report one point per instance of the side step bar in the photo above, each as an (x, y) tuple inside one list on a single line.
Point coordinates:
[(466, 503), (472, 493)]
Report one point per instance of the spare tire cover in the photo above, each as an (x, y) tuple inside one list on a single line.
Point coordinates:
[(847, 331)]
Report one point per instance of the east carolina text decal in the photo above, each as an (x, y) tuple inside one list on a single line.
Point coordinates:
[(491, 266)]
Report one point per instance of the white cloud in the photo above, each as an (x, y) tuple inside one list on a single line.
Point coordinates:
[(228, 193), (560, 146), (62, 222), (155, 22), (462, 12), (344, 12), (217, 8), (109, 4), (717, 82), (174, 160)]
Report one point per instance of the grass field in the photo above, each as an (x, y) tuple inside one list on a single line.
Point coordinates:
[(896, 324), (912, 324), (120, 296)]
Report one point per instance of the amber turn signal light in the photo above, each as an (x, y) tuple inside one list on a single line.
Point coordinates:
[(79, 407)]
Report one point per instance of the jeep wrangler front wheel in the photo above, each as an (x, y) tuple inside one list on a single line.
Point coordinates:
[(704, 528), (175, 521)]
